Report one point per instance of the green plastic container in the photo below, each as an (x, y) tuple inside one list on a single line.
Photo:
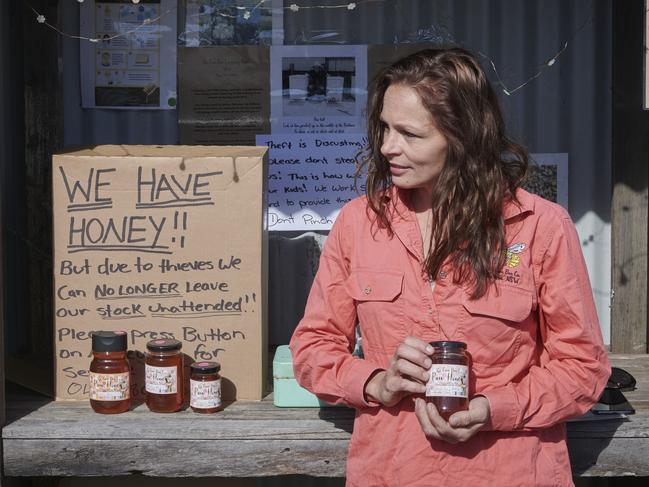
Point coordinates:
[(287, 393)]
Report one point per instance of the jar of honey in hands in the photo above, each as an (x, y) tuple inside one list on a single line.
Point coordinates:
[(109, 377), (448, 380), (164, 376)]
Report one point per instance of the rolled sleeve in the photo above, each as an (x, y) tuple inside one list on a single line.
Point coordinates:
[(350, 382), (504, 408)]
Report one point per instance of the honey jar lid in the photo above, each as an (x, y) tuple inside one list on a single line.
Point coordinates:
[(206, 367), (164, 345), (109, 341), (447, 344)]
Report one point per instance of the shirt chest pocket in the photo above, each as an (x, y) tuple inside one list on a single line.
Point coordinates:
[(379, 306), (492, 324)]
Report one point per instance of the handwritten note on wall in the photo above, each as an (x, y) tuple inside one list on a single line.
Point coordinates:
[(310, 177), (153, 244)]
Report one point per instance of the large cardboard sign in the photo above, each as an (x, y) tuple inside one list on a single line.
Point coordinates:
[(161, 242)]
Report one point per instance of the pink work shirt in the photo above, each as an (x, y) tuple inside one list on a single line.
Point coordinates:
[(534, 338)]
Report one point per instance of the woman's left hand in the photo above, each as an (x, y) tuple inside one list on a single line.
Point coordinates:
[(461, 425)]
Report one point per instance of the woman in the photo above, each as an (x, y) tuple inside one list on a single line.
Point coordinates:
[(447, 246)]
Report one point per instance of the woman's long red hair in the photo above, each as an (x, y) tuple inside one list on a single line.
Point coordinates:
[(482, 170)]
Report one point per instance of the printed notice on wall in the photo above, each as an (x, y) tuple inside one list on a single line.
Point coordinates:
[(225, 94), (310, 177), (318, 89), (162, 242), (132, 64)]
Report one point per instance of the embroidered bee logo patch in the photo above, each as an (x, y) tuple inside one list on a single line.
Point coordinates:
[(512, 257)]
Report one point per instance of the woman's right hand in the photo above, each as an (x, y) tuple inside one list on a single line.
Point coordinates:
[(407, 373)]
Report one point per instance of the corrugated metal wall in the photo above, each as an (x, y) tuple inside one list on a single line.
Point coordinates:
[(567, 109)]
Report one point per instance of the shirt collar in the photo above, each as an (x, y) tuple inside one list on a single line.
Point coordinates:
[(513, 208), (403, 221)]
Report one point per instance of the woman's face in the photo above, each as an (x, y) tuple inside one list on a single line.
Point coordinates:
[(412, 144)]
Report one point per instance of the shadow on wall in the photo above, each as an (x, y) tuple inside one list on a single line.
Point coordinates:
[(611, 481), (293, 262), (587, 441)]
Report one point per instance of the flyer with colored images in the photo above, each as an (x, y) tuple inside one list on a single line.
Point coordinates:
[(229, 23), (130, 61)]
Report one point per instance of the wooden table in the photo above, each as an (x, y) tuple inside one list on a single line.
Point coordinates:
[(254, 439)]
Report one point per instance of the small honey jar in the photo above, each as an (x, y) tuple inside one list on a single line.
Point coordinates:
[(205, 387), (448, 380), (164, 375), (109, 373)]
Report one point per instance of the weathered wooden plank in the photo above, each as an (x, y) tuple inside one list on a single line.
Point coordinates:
[(638, 367), (179, 430), (629, 212), (77, 423), (634, 426), (177, 458), (590, 456), (257, 439), (242, 420), (48, 424), (240, 410)]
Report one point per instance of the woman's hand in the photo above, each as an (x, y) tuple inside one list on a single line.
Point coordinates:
[(407, 373), (460, 426)]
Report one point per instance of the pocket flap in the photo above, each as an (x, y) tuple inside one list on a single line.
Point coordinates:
[(374, 285), (504, 302)]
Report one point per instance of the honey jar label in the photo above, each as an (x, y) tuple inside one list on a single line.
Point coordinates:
[(161, 380), (109, 387), (446, 380), (205, 395)]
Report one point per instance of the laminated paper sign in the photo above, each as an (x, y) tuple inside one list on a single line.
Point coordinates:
[(162, 242), (132, 63)]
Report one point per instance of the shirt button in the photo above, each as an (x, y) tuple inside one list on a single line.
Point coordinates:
[(367, 290), (430, 310), (442, 274)]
